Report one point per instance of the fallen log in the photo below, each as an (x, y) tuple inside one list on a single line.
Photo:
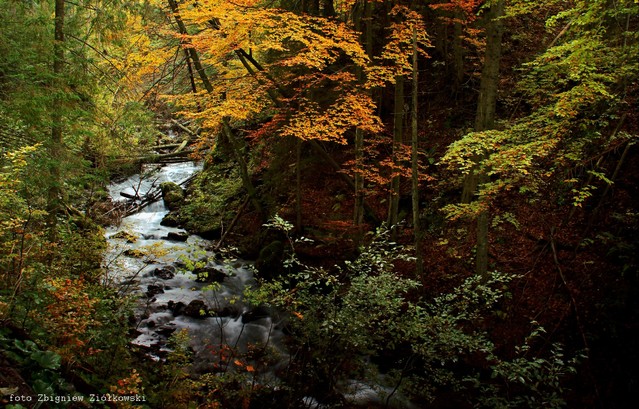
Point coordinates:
[(157, 157), (166, 146), (129, 196), (151, 196), (184, 128)]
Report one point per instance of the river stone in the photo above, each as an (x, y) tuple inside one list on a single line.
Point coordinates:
[(172, 194), (171, 219), (228, 311), (166, 330), (196, 309), (255, 314), (165, 273), (154, 289), (177, 308), (181, 237), (135, 253), (129, 237), (209, 275)]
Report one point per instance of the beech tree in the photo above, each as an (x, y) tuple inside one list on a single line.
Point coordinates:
[(485, 120), (577, 91)]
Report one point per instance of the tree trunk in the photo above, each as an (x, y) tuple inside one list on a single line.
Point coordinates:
[(227, 131), (190, 50), (190, 71), (313, 7), (328, 8), (237, 151), (414, 162), (485, 118), (398, 133), (56, 145), (458, 53), (298, 185), (358, 216)]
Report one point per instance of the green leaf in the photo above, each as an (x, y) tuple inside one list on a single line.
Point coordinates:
[(47, 359), (42, 387)]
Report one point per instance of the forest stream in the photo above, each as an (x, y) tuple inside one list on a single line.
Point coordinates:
[(319, 204), (150, 261)]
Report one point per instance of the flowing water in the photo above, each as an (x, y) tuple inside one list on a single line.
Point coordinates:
[(145, 262)]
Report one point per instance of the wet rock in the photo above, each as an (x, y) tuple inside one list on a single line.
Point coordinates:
[(177, 308), (172, 194), (166, 330), (228, 311), (165, 273), (196, 309), (154, 289), (150, 324), (134, 333), (125, 235), (136, 253), (255, 314), (172, 219), (209, 275), (129, 282), (181, 237)]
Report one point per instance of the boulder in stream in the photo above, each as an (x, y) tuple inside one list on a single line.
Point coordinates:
[(125, 235), (154, 289), (232, 311), (255, 314), (172, 194), (165, 273), (172, 219), (209, 274), (177, 236), (166, 330), (196, 309), (177, 308)]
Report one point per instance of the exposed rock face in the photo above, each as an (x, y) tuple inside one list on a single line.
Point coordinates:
[(172, 194)]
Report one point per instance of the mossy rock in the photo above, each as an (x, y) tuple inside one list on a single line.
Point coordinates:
[(212, 199), (125, 235), (172, 219), (172, 194)]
